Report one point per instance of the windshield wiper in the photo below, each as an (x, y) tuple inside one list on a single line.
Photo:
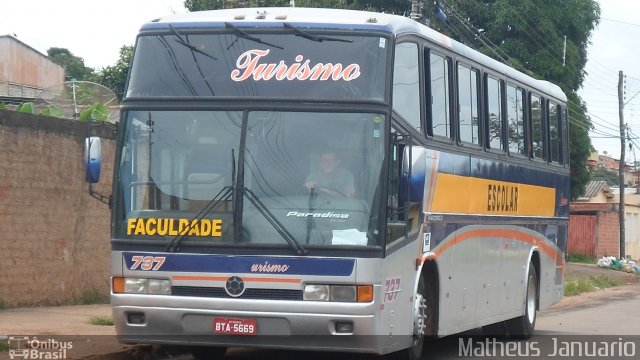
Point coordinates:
[(222, 195), (185, 43), (318, 38), (277, 225), (241, 33)]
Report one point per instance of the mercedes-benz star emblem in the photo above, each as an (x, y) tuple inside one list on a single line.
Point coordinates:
[(234, 286)]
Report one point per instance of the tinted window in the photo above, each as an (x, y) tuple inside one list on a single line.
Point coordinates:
[(515, 120), (494, 107), (440, 115), (468, 104), (406, 83), (223, 64), (537, 138), (554, 132)]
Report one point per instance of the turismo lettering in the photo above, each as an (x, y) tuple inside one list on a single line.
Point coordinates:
[(247, 65), (174, 227), (502, 198)]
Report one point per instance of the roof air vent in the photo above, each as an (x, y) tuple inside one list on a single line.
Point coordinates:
[(372, 20), (261, 15), (238, 17), (281, 17)]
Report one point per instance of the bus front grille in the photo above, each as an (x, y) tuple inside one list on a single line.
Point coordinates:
[(218, 292)]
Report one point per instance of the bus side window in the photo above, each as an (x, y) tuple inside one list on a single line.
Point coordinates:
[(440, 115), (554, 132), (494, 112), (406, 84), (515, 121), (468, 121), (564, 121), (537, 134)]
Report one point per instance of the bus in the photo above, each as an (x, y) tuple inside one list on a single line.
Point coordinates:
[(449, 211)]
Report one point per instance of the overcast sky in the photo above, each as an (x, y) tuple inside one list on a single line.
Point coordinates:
[(95, 31), (614, 48), (92, 30)]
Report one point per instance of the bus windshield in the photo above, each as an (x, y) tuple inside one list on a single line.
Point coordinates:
[(320, 188), (340, 67)]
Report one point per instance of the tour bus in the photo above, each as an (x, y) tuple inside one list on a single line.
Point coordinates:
[(449, 213)]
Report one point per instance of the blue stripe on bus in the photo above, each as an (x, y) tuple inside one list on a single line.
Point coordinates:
[(247, 264)]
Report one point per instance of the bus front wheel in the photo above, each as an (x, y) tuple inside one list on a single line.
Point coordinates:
[(419, 325)]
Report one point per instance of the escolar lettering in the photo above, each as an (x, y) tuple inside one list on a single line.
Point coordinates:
[(502, 198), (173, 227)]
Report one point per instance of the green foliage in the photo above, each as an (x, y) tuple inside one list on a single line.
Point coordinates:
[(95, 112), (114, 77), (52, 111), (592, 283), (73, 65), (26, 108), (582, 259), (388, 6), (611, 177), (101, 320), (4, 346), (3, 106)]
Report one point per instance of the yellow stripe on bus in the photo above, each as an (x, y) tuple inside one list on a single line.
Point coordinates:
[(468, 195)]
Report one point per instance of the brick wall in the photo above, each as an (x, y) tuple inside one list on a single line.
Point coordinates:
[(608, 242), (54, 237)]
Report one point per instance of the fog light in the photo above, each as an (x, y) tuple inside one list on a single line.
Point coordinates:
[(344, 327), (136, 318)]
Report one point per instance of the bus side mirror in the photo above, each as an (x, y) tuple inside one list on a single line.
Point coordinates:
[(92, 159), (413, 174)]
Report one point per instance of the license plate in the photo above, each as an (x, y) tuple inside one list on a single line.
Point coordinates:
[(234, 326)]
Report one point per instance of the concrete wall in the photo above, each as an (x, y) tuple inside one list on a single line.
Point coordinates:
[(22, 65), (54, 237)]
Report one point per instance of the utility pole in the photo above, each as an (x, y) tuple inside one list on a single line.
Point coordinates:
[(622, 163)]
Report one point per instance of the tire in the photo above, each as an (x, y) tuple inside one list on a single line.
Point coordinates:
[(522, 327), (419, 325), (208, 352)]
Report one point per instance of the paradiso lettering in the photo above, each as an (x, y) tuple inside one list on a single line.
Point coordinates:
[(173, 227), (248, 66)]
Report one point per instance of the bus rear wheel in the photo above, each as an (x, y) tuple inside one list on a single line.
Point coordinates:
[(522, 327)]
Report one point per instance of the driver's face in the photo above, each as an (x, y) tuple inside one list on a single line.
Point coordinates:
[(329, 163)]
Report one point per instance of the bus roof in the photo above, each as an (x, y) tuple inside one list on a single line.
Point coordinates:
[(340, 19)]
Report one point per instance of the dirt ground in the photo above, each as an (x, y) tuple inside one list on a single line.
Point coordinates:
[(575, 272)]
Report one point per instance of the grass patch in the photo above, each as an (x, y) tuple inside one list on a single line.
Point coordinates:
[(101, 320), (92, 296), (582, 259), (592, 283), (4, 346), (3, 305)]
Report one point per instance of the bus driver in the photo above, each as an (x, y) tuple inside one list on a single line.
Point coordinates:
[(330, 178)]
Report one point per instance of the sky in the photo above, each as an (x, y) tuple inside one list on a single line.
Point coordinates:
[(92, 30), (614, 48), (95, 31)]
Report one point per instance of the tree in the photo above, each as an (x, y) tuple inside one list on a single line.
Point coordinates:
[(73, 65), (529, 35), (115, 77), (526, 34)]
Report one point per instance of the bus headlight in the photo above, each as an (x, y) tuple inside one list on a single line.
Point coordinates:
[(316, 292), (141, 286), (338, 293)]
